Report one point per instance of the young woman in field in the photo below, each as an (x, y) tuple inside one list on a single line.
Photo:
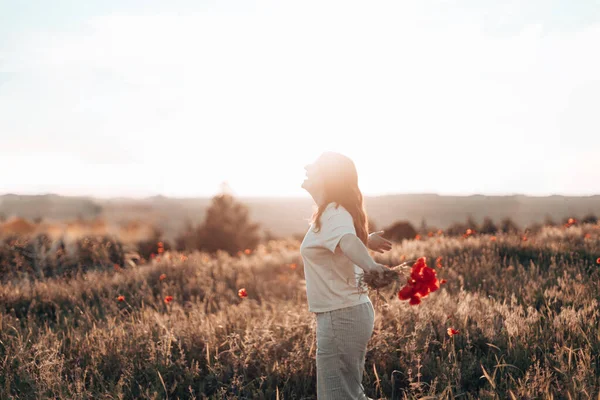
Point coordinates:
[(335, 253)]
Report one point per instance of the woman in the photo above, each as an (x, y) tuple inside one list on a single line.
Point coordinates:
[(335, 253)]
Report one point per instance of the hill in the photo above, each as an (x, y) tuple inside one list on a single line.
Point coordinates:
[(286, 216)]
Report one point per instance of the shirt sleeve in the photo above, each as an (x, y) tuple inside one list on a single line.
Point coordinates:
[(334, 226)]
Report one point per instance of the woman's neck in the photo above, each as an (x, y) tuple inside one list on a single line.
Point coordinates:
[(319, 198)]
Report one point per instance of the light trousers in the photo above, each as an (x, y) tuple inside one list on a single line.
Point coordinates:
[(342, 337)]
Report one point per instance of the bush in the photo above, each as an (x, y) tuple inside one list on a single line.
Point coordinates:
[(507, 225), (399, 231), (488, 227), (226, 227)]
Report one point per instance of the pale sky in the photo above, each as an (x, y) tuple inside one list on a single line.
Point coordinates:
[(137, 98)]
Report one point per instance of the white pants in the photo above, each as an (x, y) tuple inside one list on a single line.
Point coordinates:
[(342, 337)]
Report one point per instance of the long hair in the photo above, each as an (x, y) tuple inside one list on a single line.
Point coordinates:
[(341, 186)]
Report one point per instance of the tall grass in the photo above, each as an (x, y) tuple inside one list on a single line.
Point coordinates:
[(526, 312)]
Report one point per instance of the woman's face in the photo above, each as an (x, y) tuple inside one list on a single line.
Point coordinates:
[(314, 179)]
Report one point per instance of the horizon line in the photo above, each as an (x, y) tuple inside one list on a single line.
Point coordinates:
[(295, 197)]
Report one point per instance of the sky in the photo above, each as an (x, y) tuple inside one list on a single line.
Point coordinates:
[(141, 98)]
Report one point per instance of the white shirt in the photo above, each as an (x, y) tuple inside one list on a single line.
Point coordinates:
[(331, 278)]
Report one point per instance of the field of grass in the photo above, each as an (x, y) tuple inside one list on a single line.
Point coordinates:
[(526, 311)]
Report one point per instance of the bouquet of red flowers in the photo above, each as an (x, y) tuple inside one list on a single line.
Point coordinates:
[(421, 280)]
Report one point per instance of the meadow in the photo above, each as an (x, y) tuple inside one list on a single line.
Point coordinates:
[(174, 326)]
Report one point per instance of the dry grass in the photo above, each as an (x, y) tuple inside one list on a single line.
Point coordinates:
[(527, 313)]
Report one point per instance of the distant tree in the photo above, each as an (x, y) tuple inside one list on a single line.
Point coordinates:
[(507, 225), (534, 227), (488, 227), (456, 229), (548, 221), (472, 224), (226, 227), (399, 231), (423, 227), (590, 219)]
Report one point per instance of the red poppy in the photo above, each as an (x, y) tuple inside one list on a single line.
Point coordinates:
[(524, 238), (160, 244), (152, 255), (406, 292), (242, 293), (442, 281), (469, 232), (247, 251), (161, 250), (183, 258), (421, 282), (162, 277), (452, 332), (430, 234), (493, 239), (598, 260), (587, 236), (572, 221), (168, 299), (293, 266), (418, 237), (121, 298), (439, 232), (438, 262)]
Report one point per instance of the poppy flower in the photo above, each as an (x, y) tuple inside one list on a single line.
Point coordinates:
[(406, 292), (293, 266), (168, 299), (572, 221), (493, 239), (242, 293), (524, 238), (587, 236), (439, 232), (438, 262), (162, 277), (160, 244), (247, 251), (152, 255), (469, 232), (452, 332), (442, 281), (598, 261), (430, 234), (160, 250), (121, 298), (117, 267), (183, 258), (421, 282), (418, 237)]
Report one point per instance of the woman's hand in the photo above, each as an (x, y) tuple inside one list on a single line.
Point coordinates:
[(378, 243), (379, 268)]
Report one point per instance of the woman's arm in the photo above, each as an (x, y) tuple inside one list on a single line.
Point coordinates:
[(355, 250)]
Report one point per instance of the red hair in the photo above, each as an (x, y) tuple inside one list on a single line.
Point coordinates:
[(341, 186)]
